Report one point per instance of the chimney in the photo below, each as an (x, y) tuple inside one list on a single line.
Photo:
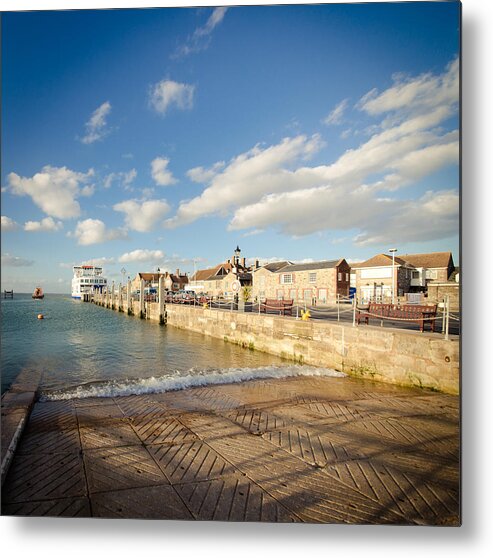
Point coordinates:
[(257, 264), (177, 273), (243, 262)]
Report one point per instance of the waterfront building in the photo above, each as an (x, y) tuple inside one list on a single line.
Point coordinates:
[(225, 279), (413, 273), (172, 281), (321, 282)]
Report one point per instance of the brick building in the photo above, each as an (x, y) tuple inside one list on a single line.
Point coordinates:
[(413, 273), (312, 283)]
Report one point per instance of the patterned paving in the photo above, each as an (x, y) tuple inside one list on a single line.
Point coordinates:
[(322, 450)]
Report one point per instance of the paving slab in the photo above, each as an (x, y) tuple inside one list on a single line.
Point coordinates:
[(38, 476), (62, 507), (403, 492), (115, 468), (233, 498), (110, 435), (189, 462), (154, 502)]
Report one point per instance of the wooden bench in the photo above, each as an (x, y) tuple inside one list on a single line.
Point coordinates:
[(419, 313), (283, 307)]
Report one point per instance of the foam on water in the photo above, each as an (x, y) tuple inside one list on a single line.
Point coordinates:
[(182, 380)]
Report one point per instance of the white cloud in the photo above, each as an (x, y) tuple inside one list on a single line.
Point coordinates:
[(142, 216), (15, 261), (247, 177), (335, 116), (103, 261), (48, 224), (202, 175), (94, 231), (420, 93), (54, 190), (124, 178), (160, 173), (167, 93), (8, 224), (200, 39), (304, 212), (142, 256), (96, 126)]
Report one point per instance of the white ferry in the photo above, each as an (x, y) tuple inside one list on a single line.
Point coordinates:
[(87, 279)]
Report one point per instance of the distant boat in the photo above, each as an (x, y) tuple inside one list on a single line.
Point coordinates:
[(38, 293)]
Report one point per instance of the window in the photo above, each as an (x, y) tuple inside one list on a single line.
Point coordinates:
[(313, 278), (347, 277), (339, 276), (286, 278), (431, 274), (415, 274)]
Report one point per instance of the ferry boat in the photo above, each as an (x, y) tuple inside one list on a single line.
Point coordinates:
[(38, 293), (86, 280)]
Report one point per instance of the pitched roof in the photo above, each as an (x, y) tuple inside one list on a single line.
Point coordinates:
[(326, 264), (274, 266), (213, 272), (151, 276), (183, 279), (431, 260), (381, 260)]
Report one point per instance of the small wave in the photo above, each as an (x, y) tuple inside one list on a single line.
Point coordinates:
[(183, 380)]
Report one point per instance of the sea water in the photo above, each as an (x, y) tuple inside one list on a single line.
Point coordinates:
[(84, 350)]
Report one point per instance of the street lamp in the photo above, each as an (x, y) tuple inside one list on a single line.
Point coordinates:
[(393, 251)]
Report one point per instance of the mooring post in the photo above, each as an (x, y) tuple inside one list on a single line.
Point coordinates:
[(161, 300), (141, 299), (112, 295), (447, 315), (129, 299)]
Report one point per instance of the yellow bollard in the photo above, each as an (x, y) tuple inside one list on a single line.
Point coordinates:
[(305, 315)]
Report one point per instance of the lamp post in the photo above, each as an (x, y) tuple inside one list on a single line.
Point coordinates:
[(393, 251)]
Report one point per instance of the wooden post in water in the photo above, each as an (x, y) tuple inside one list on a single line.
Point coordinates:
[(120, 297), (141, 299), (162, 306), (129, 299), (112, 295)]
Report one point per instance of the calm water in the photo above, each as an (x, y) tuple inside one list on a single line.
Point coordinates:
[(84, 350)]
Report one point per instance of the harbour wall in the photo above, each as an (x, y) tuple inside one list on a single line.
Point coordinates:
[(406, 358)]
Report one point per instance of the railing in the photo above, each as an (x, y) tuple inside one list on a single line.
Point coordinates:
[(344, 309)]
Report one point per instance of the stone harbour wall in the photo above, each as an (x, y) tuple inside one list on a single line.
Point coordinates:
[(406, 358)]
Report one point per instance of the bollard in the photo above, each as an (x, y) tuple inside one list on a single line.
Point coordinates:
[(354, 311), (447, 315)]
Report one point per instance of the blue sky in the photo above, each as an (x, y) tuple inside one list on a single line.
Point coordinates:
[(144, 138)]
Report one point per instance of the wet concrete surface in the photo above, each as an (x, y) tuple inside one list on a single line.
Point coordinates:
[(304, 449)]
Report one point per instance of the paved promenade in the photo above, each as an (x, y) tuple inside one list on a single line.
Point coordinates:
[(330, 450)]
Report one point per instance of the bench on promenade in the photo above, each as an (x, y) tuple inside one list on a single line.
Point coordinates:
[(282, 307), (419, 313)]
